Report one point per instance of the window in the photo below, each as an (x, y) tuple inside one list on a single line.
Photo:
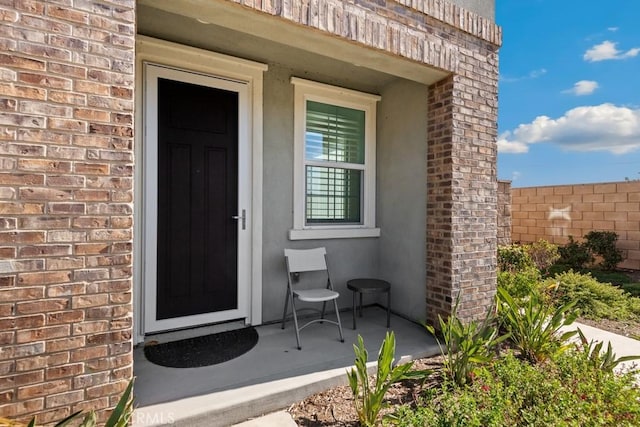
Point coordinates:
[(334, 155)]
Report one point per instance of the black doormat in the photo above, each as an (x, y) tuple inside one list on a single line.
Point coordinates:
[(203, 351)]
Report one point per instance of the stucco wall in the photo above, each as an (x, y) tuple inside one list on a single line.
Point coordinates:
[(348, 258), (398, 255), (556, 212), (402, 165)]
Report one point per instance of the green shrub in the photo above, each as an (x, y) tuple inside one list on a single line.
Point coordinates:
[(514, 258), (520, 284), (534, 326), (566, 392), (517, 272), (477, 405), (597, 246), (609, 399), (543, 254), (520, 267), (368, 397), (574, 254), (466, 345), (603, 244), (593, 299)]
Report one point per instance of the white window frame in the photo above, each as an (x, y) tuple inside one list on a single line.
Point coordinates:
[(306, 90)]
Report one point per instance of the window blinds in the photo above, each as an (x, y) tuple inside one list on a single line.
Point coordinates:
[(334, 135)]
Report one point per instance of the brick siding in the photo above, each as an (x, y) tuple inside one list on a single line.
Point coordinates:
[(556, 212), (434, 32), (66, 193), (461, 200)]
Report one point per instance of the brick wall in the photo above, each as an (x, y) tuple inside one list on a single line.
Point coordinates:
[(504, 212), (554, 213), (66, 193), (461, 197)]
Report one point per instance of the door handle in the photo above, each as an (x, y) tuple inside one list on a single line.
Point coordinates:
[(243, 218)]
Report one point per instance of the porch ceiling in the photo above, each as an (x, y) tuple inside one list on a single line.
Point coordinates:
[(234, 30)]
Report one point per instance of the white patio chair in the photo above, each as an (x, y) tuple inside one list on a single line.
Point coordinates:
[(304, 261)]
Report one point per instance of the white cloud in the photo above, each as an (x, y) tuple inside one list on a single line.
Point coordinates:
[(613, 29), (604, 127), (534, 74), (583, 87), (608, 50), (507, 145), (515, 175)]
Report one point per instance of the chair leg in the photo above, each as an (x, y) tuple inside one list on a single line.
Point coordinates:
[(335, 304), (295, 320), (286, 303), (354, 310), (388, 309), (324, 308)]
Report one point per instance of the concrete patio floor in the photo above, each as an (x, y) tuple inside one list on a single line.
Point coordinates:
[(271, 376)]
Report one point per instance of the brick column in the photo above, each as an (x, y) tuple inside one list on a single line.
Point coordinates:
[(66, 194), (462, 191)]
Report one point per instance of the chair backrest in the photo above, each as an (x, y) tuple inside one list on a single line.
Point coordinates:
[(301, 260)]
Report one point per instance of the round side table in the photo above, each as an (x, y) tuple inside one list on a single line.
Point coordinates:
[(369, 286)]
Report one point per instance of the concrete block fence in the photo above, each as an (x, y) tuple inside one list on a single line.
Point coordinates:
[(556, 212)]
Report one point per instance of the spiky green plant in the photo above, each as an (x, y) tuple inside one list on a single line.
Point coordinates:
[(606, 360), (466, 344), (535, 326), (368, 395)]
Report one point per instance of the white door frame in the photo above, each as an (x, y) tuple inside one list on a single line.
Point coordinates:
[(156, 58)]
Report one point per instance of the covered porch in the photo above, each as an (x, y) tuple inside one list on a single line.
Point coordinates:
[(428, 223), (284, 62), (271, 376)]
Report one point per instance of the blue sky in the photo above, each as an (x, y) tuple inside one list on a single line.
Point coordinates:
[(569, 91)]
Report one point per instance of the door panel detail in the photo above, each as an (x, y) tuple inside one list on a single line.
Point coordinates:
[(197, 196)]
